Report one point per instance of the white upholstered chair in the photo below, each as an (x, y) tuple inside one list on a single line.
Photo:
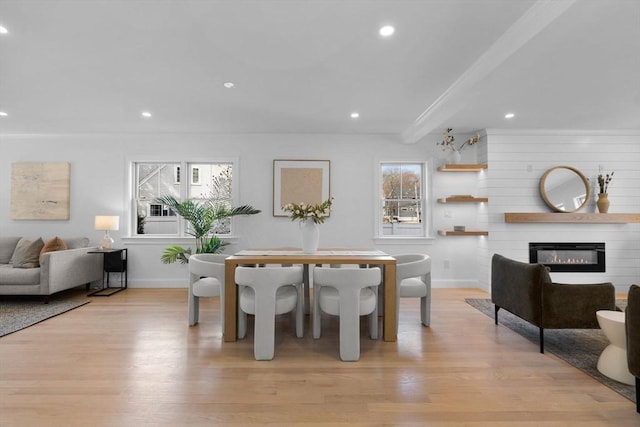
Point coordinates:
[(266, 292), (413, 280), (206, 279), (348, 293)]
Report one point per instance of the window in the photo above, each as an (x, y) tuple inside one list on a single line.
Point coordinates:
[(402, 196), (154, 179), (176, 174), (195, 175)]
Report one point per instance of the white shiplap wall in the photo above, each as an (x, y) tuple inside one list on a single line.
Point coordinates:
[(516, 163)]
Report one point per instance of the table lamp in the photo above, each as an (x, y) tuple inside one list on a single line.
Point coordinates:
[(106, 223)]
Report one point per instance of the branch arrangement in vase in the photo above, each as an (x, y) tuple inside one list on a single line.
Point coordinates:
[(303, 211), (604, 181), (448, 140)]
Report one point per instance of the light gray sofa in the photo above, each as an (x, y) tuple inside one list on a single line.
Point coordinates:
[(57, 271)]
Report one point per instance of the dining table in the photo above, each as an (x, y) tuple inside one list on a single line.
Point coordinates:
[(322, 256)]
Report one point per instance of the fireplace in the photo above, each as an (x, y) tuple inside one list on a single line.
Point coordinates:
[(569, 257)]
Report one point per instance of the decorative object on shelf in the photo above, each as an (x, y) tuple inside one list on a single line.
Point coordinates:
[(603, 196), (603, 203), (447, 143), (106, 224), (459, 228), (310, 216)]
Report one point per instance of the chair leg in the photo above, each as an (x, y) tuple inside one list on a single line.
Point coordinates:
[(373, 324), (242, 324), (194, 308), (542, 340), (638, 395), (316, 313), (264, 329), (299, 311), (350, 326), (425, 310), (496, 308)]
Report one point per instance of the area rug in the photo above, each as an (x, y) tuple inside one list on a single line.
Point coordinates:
[(20, 313), (578, 347)]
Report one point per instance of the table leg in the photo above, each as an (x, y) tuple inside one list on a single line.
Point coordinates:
[(230, 332), (389, 332)]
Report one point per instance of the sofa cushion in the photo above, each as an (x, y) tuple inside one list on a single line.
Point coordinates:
[(18, 276), (27, 253), (77, 242), (7, 247), (53, 245)]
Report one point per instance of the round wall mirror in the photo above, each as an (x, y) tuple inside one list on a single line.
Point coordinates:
[(564, 189)]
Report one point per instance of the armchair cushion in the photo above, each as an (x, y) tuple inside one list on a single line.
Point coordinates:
[(632, 324)]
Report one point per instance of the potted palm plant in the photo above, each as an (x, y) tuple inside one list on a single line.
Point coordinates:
[(202, 216)]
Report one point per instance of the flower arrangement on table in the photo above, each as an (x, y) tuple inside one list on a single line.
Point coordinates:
[(447, 142), (302, 211), (604, 182)]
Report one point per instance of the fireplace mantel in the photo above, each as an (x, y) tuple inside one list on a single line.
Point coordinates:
[(573, 217)]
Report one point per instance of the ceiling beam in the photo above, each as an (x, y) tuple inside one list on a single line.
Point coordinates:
[(533, 21)]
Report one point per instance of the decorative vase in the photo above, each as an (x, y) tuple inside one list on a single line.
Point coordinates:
[(603, 202), (454, 157), (310, 236)]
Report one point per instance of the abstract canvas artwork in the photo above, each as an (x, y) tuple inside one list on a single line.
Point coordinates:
[(296, 181), (40, 191)]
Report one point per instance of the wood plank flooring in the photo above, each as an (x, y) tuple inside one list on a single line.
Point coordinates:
[(132, 360)]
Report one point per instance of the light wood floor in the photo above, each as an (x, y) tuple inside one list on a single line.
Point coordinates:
[(132, 360)]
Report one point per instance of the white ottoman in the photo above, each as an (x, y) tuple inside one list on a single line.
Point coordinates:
[(613, 360)]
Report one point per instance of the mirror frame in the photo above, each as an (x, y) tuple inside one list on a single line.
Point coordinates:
[(584, 179)]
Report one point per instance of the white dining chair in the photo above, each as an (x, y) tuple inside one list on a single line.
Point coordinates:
[(206, 279), (266, 292), (348, 293), (413, 280)]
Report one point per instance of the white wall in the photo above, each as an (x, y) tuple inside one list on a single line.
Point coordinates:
[(99, 185), (516, 163)]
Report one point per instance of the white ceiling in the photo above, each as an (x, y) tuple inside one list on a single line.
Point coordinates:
[(303, 66)]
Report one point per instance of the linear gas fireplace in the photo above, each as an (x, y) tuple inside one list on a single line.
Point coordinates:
[(569, 257)]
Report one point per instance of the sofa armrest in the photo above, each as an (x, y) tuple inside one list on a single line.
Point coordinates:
[(69, 268), (575, 305)]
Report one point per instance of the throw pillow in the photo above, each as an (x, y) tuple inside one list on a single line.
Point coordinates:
[(7, 248), (53, 245), (27, 253)]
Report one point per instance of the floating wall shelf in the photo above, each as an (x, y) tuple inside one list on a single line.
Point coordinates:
[(458, 199), (463, 233), (565, 217), (462, 167)]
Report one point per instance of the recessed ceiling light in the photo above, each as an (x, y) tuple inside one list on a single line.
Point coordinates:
[(3, 114), (509, 116), (3, 30), (355, 115), (386, 31), (229, 85), (146, 114)]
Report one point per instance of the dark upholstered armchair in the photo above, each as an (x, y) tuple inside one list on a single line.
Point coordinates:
[(527, 291), (632, 322)]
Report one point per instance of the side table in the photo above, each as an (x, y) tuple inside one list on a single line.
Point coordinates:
[(613, 360), (114, 261)]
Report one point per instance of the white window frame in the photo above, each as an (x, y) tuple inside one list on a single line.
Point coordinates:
[(176, 174), (181, 237), (427, 232), (195, 171)]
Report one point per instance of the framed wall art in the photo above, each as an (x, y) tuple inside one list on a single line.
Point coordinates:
[(296, 181), (40, 191)]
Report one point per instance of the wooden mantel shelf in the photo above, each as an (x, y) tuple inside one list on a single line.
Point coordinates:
[(475, 167), (574, 217)]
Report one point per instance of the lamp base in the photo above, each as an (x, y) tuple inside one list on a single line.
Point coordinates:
[(106, 243)]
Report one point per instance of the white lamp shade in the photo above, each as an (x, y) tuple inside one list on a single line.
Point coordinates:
[(107, 222)]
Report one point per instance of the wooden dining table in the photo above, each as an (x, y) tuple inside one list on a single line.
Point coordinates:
[(322, 256)]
